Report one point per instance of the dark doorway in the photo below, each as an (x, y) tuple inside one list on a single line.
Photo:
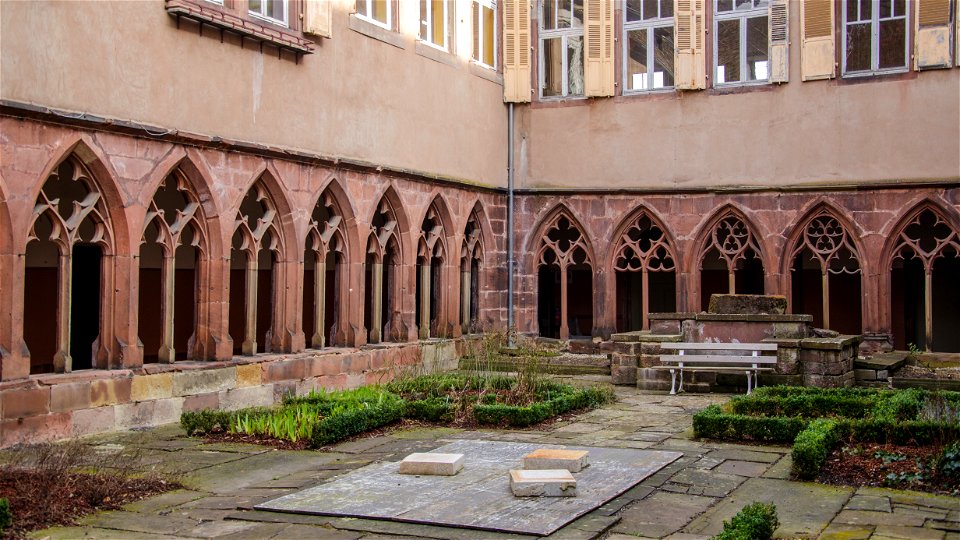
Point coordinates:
[(186, 262), (474, 295), (580, 300), (714, 277), (150, 321), (548, 300), (436, 275), (946, 304), (265, 297), (40, 299), (85, 304), (238, 299), (749, 274), (907, 303), (386, 298)]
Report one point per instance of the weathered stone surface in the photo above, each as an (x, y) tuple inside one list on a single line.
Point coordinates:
[(202, 381), (110, 391), (249, 375), (882, 361), (241, 398), (747, 304), (548, 458), (435, 464), (742, 468), (147, 387), (148, 413), (661, 514), (869, 502), (542, 483), (26, 402), (90, 421), (68, 397)]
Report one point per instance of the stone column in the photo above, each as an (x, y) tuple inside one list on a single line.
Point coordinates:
[(465, 298), (62, 361), (167, 353), (376, 303), (319, 303), (424, 321), (564, 328), (928, 306), (249, 346), (825, 286)]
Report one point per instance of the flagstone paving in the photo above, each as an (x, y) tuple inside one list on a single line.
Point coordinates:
[(688, 499)]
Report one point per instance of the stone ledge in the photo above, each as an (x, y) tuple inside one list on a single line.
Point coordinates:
[(830, 344), (264, 32)]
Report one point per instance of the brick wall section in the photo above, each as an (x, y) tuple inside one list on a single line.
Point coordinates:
[(76, 404)]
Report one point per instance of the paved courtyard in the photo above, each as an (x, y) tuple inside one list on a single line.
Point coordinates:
[(688, 499)]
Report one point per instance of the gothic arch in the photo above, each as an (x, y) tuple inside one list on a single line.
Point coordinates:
[(920, 262), (822, 267), (472, 263), (642, 247), (434, 261), (739, 247), (384, 270)]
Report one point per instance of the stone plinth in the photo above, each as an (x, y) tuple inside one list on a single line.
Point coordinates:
[(550, 459), (429, 464), (543, 483), (747, 304)]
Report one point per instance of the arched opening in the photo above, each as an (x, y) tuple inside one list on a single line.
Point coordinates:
[(169, 263), (645, 274), (470, 255), (381, 309), (731, 262), (924, 287), (430, 257), (254, 257), (322, 275), (65, 257), (564, 264), (825, 276)]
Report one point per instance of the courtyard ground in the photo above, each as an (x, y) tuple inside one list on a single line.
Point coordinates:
[(686, 500)]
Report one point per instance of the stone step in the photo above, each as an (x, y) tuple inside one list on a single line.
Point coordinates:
[(542, 483), (888, 361), (554, 459), (431, 464)]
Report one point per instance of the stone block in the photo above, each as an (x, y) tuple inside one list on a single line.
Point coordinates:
[(21, 402), (623, 375), (202, 401), (432, 464), (91, 421), (325, 365), (241, 398), (747, 304), (148, 413), (147, 387), (286, 370), (249, 375), (203, 381), (282, 389), (110, 391), (542, 483), (69, 397), (34, 429), (552, 459), (665, 326), (865, 374)]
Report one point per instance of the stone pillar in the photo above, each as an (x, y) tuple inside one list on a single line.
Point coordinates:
[(249, 346), (376, 303), (167, 352), (319, 303), (564, 329), (424, 321), (465, 298), (62, 361)]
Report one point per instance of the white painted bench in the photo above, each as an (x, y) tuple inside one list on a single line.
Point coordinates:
[(705, 357)]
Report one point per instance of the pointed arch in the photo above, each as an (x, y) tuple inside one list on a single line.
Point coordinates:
[(645, 263), (549, 219), (921, 261), (471, 265), (434, 244), (728, 255), (822, 266), (384, 259)]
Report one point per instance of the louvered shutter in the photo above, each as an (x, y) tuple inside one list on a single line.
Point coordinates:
[(475, 15), (817, 40), (598, 34), (690, 34), (933, 34), (779, 41), (516, 51), (316, 17)]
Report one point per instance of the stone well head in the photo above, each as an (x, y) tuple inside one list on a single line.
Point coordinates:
[(747, 304)]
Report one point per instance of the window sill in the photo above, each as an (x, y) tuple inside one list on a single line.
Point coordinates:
[(250, 28), (428, 50), (654, 92), (485, 72), (741, 88), (372, 30)]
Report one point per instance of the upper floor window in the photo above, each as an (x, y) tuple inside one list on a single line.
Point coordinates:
[(433, 22), (648, 53), (274, 11), (874, 36), (741, 43), (485, 32), (375, 11), (561, 48)]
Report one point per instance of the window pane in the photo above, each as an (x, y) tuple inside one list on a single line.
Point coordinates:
[(255, 6), (885, 6), (858, 47), (489, 18), (893, 35), (577, 20), (275, 9), (899, 8), (425, 20), (575, 65), (743, 4), (381, 10), (650, 9), (728, 51), (549, 15), (552, 67), (362, 7), (563, 14), (663, 57), (666, 8), (439, 23), (757, 51), (853, 10), (637, 60), (724, 5), (866, 9)]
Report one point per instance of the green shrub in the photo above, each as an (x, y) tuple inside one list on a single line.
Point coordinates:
[(803, 405), (899, 406), (948, 462), (754, 522), (348, 422), (713, 423), (205, 421), (6, 516), (811, 447), (517, 416), (430, 410)]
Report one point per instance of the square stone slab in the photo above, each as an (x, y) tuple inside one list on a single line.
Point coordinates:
[(432, 464), (479, 497), (550, 458), (542, 483)]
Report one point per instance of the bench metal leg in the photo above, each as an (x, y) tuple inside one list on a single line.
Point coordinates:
[(749, 380), (681, 381), (673, 382)]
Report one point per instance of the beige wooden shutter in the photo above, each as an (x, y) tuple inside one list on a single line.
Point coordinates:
[(956, 34), (598, 34), (779, 41), (475, 15), (316, 17), (932, 45), (516, 51), (817, 40), (689, 51)]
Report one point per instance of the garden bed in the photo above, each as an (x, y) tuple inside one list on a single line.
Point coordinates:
[(818, 421), (323, 418)]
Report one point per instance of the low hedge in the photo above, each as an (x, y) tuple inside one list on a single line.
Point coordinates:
[(434, 409), (519, 416), (756, 521), (713, 423), (350, 422), (806, 406), (812, 446)]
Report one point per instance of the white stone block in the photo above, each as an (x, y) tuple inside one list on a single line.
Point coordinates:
[(432, 464), (546, 458), (542, 483)]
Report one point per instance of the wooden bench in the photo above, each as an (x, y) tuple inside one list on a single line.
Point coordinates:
[(720, 357)]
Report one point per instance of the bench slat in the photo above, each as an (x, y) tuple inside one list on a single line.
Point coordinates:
[(720, 346), (717, 359), (731, 369)]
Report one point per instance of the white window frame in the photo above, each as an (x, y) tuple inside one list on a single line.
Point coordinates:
[(741, 14), (491, 4), (429, 22), (563, 34), (364, 16), (259, 15), (650, 25), (875, 39)]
